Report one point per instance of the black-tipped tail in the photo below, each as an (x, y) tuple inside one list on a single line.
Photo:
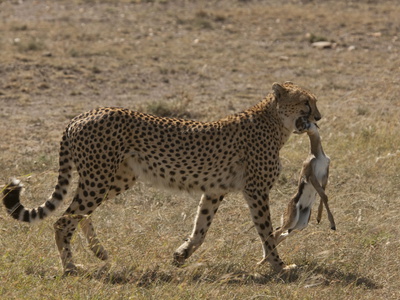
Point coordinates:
[(11, 200), (11, 196), (11, 193)]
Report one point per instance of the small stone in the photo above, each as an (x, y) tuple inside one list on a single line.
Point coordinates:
[(323, 45), (375, 34), (43, 86), (351, 48)]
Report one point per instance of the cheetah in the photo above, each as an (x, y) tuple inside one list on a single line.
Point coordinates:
[(112, 148), (313, 180)]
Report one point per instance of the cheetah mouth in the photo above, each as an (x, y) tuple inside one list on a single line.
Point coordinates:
[(301, 125)]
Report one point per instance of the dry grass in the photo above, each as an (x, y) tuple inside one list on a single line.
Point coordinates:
[(205, 60)]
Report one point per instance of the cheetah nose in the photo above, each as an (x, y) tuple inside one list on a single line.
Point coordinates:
[(317, 118)]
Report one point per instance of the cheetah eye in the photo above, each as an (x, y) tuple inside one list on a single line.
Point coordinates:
[(307, 104)]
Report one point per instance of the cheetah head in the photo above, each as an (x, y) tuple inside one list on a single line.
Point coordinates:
[(296, 107)]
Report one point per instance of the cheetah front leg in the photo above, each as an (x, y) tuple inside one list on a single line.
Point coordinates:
[(259, 208), (206, 210)]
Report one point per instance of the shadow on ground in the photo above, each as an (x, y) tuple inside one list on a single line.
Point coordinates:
[(307, 276)]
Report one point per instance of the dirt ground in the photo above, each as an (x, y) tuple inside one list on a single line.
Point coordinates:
[(204, 60)]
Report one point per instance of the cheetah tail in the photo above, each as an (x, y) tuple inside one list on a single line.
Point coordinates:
[(11, 193)]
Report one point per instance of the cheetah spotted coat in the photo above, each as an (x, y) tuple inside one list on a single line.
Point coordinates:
[(111, 148)]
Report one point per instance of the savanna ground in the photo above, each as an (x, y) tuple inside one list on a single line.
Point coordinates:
[(204, 60)]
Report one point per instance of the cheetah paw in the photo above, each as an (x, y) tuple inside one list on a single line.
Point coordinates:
[(179, 259)]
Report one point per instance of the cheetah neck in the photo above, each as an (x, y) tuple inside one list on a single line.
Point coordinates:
[(269, 109), (286, 127), (285, 134), (286, 124)]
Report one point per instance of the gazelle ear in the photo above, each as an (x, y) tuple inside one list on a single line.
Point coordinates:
[(278, 89)]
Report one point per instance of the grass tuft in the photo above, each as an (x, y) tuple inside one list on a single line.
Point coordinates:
[(174, 106)]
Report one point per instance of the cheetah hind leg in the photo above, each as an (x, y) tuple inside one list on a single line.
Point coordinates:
[(67, 224), (64, 229), (124, 179), (91, 236)]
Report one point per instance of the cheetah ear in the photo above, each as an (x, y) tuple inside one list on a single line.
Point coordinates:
[(279, 90)]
